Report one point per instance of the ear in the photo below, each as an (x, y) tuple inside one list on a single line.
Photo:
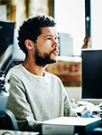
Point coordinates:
[(28, 44)]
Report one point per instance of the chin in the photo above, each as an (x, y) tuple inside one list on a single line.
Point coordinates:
[(54, 60)]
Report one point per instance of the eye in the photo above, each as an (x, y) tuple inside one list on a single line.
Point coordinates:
[(57, 38), (49, 38)]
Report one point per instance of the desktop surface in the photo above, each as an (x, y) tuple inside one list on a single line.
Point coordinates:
[(69, 126)]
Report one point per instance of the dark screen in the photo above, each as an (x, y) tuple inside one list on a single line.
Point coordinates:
[(6, 45), (92, 74), (6, 35)]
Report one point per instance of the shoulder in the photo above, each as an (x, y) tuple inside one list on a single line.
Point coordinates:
[(53, 77), (17, 70)]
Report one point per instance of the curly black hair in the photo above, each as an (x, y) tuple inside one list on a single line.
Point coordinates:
[(31, 29)]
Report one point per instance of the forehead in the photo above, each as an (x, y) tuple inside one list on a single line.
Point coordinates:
[(48, 31)]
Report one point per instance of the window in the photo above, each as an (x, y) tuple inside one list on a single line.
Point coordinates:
[(96, 24), (70, 17)]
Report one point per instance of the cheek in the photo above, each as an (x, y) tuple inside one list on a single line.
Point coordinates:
[(45, 46)]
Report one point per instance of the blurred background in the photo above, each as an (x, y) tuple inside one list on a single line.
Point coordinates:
[(79, 24)]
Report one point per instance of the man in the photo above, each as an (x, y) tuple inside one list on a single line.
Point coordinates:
[(36, 95)]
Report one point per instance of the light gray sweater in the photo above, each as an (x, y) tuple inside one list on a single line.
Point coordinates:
[(37, 98)]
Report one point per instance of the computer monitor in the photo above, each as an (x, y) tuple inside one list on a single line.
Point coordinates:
[(91, 74), (6, 44)]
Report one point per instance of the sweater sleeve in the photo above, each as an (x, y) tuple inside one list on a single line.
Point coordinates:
[(68, 110), (18, 104)]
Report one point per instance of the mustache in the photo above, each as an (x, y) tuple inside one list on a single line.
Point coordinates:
[(56, 49)]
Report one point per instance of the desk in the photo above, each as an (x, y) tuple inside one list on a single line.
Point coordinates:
[(10, 132), (70, 125)]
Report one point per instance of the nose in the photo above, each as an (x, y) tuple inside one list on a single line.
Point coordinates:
[(55, 44)]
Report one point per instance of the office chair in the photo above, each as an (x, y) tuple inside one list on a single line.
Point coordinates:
[(7, 118), (8, 121)]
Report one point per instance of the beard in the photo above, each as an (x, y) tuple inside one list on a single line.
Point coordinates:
[(43, 59)]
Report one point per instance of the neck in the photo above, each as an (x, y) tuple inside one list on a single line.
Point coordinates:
[(34, 69)]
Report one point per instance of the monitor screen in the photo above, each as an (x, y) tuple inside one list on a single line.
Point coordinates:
[(6, 44), (92, 74), (6, 35)]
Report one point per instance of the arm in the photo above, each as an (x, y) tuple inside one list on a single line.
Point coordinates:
[(19, 105), (68, 110)]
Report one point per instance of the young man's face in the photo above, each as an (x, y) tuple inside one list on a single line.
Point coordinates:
[(46, 47)]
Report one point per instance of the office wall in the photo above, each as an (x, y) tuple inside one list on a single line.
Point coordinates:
[(76, 92)]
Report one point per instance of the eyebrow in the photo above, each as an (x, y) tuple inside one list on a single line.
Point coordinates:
[(50, 36)]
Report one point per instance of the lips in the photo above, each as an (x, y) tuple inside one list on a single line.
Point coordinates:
[(56, 52)]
